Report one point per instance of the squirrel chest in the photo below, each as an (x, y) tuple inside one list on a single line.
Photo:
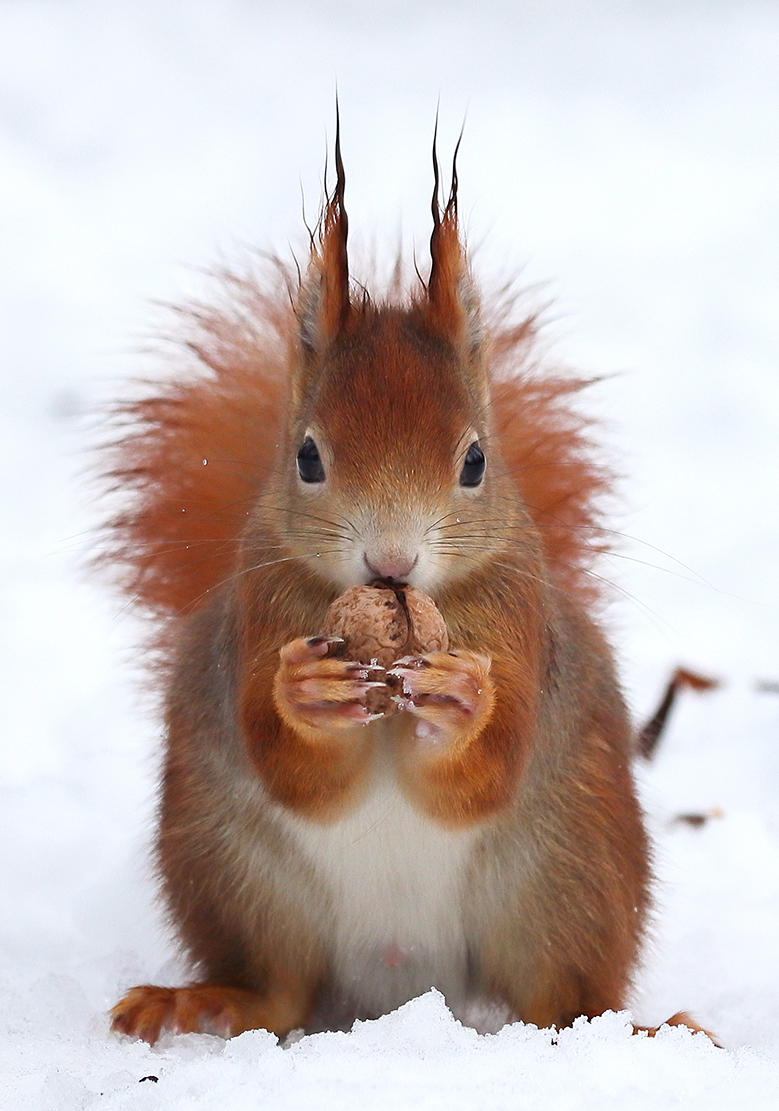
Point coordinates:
[(394, 883)]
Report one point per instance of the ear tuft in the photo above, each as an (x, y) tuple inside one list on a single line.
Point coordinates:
[(323, 305), (452, 300)]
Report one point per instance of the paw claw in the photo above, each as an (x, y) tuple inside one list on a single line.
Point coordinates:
[(316, 689), (448, 692), (410, 661)]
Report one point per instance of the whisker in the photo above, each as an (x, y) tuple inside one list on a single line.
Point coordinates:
[(239, 573)]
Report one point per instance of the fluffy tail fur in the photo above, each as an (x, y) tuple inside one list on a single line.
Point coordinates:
[(191, 457)]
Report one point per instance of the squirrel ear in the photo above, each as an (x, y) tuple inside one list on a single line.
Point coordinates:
[(452, 301), (323, 307)]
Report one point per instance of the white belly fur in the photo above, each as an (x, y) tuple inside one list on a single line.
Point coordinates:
[(395, 885)]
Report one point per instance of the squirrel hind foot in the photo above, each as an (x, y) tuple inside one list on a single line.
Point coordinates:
[(146, 1011), (681, 1018)]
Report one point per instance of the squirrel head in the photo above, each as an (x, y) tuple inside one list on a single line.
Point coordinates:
[(390, 469), (395, 440)]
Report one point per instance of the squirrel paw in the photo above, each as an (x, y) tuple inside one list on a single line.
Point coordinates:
[(681, 1018), (320, 692), (202, 1009), (450, 693)]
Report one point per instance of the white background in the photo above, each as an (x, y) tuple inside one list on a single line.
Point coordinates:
[(625, 154)]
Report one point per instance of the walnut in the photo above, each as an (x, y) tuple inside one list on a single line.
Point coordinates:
[(381, 624)]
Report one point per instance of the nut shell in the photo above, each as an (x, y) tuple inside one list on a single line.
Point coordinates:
[(383, 623)]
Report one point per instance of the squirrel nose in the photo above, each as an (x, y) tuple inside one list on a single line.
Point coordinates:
[(396, 567)]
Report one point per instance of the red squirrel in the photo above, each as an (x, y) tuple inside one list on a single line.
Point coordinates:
[(319, 862)]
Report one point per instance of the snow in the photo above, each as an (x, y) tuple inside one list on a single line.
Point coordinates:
[(419, 1056), (624, 153)]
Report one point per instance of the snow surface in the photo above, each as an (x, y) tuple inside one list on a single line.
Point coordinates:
[(625, 153)]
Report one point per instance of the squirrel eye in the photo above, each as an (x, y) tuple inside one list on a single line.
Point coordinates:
[(473, 467), (310, 466)]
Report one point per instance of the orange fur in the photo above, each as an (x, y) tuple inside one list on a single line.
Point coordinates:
[(174, 539), (208, 1009), (488, 829), (549, 452), (192, 456)]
